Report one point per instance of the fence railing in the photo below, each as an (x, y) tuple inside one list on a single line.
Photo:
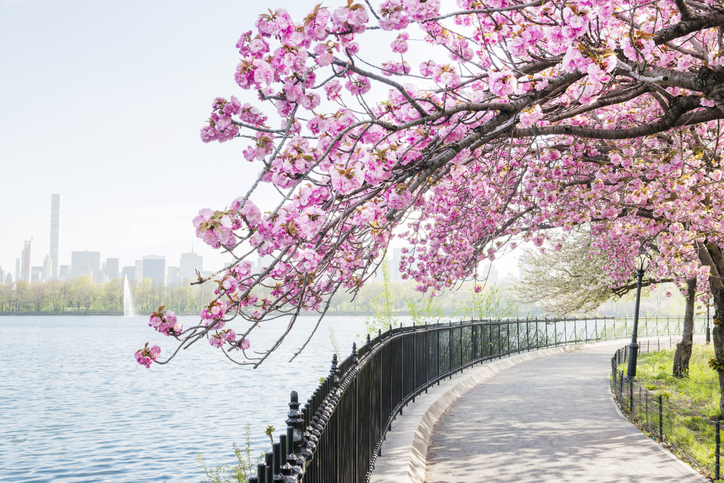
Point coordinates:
[(337, 436), (693, 437)]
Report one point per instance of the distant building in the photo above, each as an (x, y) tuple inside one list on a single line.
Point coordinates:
[(85, 263), (395, 265), (173, 277), (138, 274), (17, 269), (190, 262), (112, 268), (2, 275), (9, 279), (129, 272), (101, 277), (36, 274), (64, 273), (154, 267), (54, 234), (25, 261), (48, 268)]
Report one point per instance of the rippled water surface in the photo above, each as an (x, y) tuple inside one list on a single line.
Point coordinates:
[(76, 407)]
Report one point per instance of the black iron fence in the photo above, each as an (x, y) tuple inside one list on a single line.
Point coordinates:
[(337, 436), (693, 437)]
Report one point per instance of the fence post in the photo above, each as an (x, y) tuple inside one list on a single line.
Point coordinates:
[(269, 466), (437, 341), (646, 396), (661, 418), (716, 455), (620, 388), (414, 362), (427, 355), (354, 412), (631, 398), (295, 435), (507, 328)]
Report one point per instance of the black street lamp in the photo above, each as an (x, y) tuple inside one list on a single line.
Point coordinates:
[(642, 263), (708, 330)]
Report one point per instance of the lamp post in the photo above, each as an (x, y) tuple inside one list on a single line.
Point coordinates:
[(708, 330), (642, 263)]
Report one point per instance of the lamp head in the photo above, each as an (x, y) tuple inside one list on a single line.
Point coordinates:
[(643, 259)]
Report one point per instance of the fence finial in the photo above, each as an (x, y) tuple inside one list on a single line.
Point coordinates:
[(354, 353), (334, 372), (295, 422)]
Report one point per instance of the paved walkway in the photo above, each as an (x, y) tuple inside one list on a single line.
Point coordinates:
[(547, 420)]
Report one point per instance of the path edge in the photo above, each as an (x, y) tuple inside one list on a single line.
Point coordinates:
[(404, 452)]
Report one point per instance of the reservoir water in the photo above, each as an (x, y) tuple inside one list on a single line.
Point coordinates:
[(76, 407)]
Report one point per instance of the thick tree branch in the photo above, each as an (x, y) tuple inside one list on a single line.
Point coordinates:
[(677, 108)]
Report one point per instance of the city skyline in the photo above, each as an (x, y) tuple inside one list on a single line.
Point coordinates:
[(31, 253)]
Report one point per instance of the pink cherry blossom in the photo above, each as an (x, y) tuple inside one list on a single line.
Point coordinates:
[(524, 122)]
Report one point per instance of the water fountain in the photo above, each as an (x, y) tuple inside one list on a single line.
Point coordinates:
[(128, 305)]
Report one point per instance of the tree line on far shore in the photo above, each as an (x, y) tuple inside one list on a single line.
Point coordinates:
[(81, 295)]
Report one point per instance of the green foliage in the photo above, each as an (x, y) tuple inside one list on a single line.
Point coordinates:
[(700, 391), (489, 304), (691, 403), (383, 307), (335, 345), (269, 431), (82, 295), (238, 473), (429, 311)]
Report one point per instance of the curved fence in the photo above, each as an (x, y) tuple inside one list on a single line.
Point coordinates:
[(693, 437), (338, 434)]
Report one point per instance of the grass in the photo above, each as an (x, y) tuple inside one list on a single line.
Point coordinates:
[(699, 392), (690, 405)]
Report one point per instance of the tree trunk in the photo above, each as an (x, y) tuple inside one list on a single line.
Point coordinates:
[(710, 255), (683, 348)]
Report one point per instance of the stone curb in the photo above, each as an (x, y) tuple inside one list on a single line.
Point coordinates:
[(404, 452)]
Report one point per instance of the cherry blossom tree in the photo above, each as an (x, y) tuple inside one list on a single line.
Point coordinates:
[(463, 129)]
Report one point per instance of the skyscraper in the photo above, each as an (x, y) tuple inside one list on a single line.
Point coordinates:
[(154, 267), (112, 268), (85, 263), (190, 262), (25, 262), (54, 233), (48, 268)]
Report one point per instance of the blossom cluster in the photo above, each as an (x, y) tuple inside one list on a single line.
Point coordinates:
[(525, 121), (147, 355)]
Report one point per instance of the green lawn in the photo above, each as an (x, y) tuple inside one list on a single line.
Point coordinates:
[(690, 406), (699, 392)]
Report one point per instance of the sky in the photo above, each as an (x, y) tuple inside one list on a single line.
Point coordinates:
[(102, 102)]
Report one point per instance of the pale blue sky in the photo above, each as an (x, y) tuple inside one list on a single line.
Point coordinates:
[(102, 102)]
